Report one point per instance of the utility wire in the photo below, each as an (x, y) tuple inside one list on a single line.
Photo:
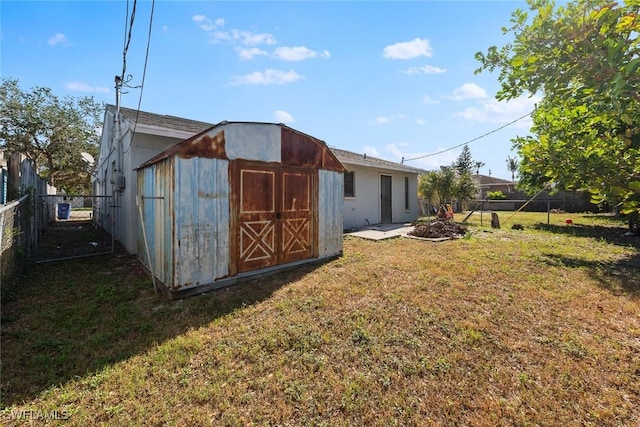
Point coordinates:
[(128, 38), (144, 70), (471, 140)]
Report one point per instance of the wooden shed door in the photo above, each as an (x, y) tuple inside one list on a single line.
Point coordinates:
[(297, 201), (272, 220)]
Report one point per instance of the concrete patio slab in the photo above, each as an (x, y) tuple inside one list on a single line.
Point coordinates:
[(381, 231)]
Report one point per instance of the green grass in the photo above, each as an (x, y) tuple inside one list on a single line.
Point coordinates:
[(504, 327)]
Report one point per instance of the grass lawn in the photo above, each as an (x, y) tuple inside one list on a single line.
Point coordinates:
[(539, 326)]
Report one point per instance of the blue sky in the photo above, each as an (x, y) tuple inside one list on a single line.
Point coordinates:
[(390, 79)]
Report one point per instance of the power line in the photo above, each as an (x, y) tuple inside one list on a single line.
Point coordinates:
[(144, 70), (128, 38), (471, 140)]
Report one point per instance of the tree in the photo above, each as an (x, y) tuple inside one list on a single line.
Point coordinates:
[(584, 58), (512, 166), (464, 162), (52, 132), (478, 165), (444, 186)]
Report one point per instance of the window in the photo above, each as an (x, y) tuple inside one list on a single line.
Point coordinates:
[(406, 193), (349, 185)]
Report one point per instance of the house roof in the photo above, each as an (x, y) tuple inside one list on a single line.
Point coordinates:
[(162, 120), (485, 180), (351, 158)]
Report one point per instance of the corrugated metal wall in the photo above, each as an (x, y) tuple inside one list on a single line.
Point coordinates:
[(201, 221), (330, 218)]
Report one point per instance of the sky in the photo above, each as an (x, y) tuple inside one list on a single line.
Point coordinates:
[(391, 79)]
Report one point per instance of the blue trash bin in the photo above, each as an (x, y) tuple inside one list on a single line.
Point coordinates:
[(64, 210)]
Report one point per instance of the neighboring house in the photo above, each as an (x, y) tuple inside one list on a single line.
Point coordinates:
[(377, 191), (238, 199), (488, 184)]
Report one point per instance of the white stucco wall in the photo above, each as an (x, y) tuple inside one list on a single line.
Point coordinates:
[(366, 205), (114, 162)]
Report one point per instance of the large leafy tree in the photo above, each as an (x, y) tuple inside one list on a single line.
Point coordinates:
[(52, 132), (584, 59)]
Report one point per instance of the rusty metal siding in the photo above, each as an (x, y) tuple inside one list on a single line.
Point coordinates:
[(253, 141), (201, 221), (330, 216), (154, 184)]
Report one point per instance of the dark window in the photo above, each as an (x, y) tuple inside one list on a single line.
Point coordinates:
[(406, 193), (349, 185)]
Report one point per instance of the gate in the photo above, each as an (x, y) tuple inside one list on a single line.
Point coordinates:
[(70, 227)]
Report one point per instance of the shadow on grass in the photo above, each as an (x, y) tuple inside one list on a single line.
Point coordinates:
[(613, 235), (68, 319), (617, 276)]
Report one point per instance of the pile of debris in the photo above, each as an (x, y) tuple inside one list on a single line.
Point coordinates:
[(440, 228)]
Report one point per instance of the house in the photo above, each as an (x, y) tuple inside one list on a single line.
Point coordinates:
[(129, 138), (377, 190), (488, 184), (239, 199)]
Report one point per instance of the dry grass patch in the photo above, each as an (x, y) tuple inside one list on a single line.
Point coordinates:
[(504, 327)]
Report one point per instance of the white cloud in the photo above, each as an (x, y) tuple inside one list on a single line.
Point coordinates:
[(381, 120), (207, 24), (431, 162), (469, 91), (165, 28), (427, 100), (84, 87), (252, 39), (59, 40), (370, 151), (250, 53), (298, 53), (501, 112), (283, 117), (216, 33), (267, 77), (408, 50), (395, 151), (420, 122), (427, 69)]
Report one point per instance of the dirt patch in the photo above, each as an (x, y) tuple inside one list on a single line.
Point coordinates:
[(438, 229)]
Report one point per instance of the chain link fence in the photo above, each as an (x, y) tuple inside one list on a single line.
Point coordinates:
[(16, 236)]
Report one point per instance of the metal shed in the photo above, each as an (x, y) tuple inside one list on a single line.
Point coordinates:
[(238, 200)]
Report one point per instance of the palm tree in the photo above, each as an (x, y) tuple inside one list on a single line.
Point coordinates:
[(478, 165), (512, 166)]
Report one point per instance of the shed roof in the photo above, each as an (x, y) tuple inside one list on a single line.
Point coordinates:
[(351, 158), (205, 144)]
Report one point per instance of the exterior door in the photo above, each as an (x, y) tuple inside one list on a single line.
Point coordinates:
[(256, 232), (296, 216), (385, 198), (272, 215)]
